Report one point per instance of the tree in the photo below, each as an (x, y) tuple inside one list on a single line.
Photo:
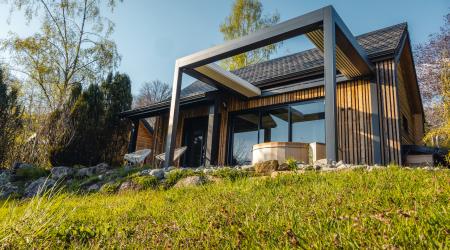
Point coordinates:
[(10, 119), (430, 57), (152, 92), (73, 46), (246, 17), (99, 134), (118, 98)]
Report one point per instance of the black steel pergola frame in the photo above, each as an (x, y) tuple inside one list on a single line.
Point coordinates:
[(333, 28)]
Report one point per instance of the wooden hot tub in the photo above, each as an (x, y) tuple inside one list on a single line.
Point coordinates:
[(280, 151)]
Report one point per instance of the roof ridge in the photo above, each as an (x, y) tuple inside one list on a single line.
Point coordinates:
[(405, 24)]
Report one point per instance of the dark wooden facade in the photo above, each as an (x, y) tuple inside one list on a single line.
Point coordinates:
[(354, 114)]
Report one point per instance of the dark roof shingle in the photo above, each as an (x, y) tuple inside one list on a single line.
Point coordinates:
[(382, 41)]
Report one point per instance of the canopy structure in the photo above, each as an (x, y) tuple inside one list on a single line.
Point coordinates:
[(323, 27)]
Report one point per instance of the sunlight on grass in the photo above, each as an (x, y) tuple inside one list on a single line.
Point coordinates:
[(384, 208)]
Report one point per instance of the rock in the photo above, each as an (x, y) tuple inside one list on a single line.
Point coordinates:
[(101, 168), (322, 163), (266, 167), (86, 172), (128, 185), (62, 172), (93, 188), (38, 186), (5, 177), (20, 165), (284, 167), (158, 173), (248, 168), (339, 163), (191, 181), (7, 190)]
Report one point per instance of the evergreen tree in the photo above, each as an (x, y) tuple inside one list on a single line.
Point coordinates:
[(10, 119), (118, 98)]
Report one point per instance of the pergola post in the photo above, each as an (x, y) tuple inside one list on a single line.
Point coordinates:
[(173, 116), (212, 138), (133, 136), (329, 37)]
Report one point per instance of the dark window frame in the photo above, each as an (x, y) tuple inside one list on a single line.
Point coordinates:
[(233, 114)]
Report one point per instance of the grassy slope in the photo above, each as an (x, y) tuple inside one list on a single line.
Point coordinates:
[(382, 208)]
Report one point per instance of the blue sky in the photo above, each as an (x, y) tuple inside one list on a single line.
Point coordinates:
[(151, 34)]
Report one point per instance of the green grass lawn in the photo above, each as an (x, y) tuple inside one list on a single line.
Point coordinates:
[(385, 208)]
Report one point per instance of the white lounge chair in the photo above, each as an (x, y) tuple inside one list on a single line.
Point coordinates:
[(176, 154), (137, 158)]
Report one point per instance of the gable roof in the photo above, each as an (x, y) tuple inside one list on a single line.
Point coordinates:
[(379, 43)]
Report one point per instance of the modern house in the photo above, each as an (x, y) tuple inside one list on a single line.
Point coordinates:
[(358, 97)]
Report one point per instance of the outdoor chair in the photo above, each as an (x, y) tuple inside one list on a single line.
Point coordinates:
[(136, 158), (176, 155)]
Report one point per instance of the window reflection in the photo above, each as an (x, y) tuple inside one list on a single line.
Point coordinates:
[(245, 135), (275, 125), (308, 124)]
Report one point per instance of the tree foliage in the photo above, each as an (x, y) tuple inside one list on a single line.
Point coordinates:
[(73, 46), (10, 119), (433, 62), (246, 17), (430, 58), (98, 132)]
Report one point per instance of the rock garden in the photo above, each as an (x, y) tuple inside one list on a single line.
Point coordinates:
[(25, 180)]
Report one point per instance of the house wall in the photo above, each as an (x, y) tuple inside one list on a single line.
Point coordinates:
[(144, 140), (354, 116)]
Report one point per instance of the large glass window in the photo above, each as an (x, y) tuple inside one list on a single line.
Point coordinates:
[(308, 124), (245, 135), (300, 122), (274, 125)]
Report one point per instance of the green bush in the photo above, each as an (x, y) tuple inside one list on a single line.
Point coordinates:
[(231, 174), (145, 182), (109, 188), (292, 163), (30, 173)]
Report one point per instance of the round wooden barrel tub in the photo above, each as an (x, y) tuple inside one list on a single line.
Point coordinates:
[(280, 151)]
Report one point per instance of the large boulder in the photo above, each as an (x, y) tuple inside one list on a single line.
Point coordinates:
[(5, 177), (7, 190), (85, 172), (38, 186), (158, 173), (266, 167), (191, 181), (102, 168), (62, 172)]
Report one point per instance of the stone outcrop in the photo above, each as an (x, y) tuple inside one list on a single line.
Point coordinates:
[(38, 187), (62, 172)]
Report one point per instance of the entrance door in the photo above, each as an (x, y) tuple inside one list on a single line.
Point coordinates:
[(194, 137)]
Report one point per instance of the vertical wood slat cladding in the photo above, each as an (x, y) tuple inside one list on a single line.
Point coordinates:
[(389, 113)]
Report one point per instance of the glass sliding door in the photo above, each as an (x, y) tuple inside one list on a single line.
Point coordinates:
[(274, 125), (308, 122), (300, 122), (245, 135)]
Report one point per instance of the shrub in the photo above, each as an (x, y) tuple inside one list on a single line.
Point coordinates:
[(145, 182), (231, 174), (109, 188), (30, 173), (292, 163)]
